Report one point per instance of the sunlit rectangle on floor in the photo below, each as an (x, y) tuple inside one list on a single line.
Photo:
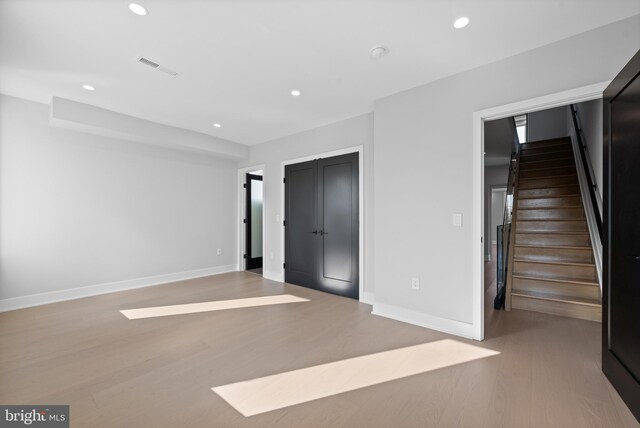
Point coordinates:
[(274, 392), (219, 305)]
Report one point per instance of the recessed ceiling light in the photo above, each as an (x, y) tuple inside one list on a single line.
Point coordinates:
[(137, 9), (461, 22), (217, 125), (296, 93), (88, 87)]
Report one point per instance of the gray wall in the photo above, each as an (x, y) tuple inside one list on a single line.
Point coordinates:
[(547, 124), (498, 141), (424, 168), (590, 114), (78, 210), (348, 133)]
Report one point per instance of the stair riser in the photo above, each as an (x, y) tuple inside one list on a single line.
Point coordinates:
[(549, 254), (562, 142), (549, 192), (574, 201), (523, 226), (541, 183), (542, 270), (548, 172), (533, 157), (548, 163), (559, 288), (578, 240), (591, 313), (551, 214)]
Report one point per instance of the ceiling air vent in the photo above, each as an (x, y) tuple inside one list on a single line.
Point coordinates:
[(157, 66)]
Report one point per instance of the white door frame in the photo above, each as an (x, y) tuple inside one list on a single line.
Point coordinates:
[(354, 149), (577, 95), (242, 172)]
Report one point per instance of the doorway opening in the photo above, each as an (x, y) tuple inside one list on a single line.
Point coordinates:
[(482, 192), (254, 207), (250, 226)]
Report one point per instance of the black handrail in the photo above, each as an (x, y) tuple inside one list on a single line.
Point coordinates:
[(583, 155)]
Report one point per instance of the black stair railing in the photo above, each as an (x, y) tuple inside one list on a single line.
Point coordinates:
[(504, 231), (587, 172)]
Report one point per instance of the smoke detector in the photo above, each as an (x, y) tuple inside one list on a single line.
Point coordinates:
[(377, 52), (152, 64)]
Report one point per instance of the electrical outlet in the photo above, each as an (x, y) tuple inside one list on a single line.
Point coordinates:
[(415, 283), (219, 251)]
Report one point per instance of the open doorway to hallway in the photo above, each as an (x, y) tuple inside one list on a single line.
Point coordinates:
[(253, 221), (545, 248)]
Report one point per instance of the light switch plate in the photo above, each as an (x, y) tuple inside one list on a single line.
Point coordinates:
[(457, 219)]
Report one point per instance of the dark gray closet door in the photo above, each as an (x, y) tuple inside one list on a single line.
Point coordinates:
[(321, 232), (301, 231), (338, 224), (621, 244)]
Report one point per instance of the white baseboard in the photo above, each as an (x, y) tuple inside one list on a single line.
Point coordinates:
[(110, 287), (444, 325), (273, 276), (367, 297)]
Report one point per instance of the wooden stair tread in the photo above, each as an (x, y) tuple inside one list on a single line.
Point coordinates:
[(564, 281), (547, 167), (554, 263), (552, 142), (568, 195), (532, 151), (556, 298), (566, 155), (552, 232), (546, 177), (546, 187), (555, 247), (548, 208), (528, 154)]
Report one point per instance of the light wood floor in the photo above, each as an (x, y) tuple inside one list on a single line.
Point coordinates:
[(158, 372)]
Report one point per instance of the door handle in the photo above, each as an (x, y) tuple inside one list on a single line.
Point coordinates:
[(315, 232)]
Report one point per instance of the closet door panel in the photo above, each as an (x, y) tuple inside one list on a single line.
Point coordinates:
[(338, 217), (336, 213), (301, 222)]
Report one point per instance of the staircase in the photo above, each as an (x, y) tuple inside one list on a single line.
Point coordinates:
[(553, 266)]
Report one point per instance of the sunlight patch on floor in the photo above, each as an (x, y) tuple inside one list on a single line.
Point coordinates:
[(219, 305), (274, 392)]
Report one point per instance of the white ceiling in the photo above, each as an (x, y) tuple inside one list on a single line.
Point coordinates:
[(239, 59)]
